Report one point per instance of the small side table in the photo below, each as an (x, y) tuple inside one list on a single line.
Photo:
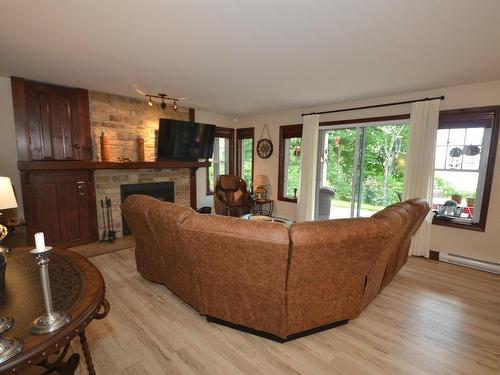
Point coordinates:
[(261, 203)]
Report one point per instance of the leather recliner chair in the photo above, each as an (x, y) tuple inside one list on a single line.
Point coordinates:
[(231, 197)]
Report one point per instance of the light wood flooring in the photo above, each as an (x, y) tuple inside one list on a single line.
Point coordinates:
[(433, 318)]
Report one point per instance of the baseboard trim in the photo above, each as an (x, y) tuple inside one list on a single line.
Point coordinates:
[(273, 337)]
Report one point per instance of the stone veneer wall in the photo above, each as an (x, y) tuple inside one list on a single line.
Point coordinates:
[(123, 120)]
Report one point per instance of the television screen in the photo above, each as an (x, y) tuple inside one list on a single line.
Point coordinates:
[(184, 140)]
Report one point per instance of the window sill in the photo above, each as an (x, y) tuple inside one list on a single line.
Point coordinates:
[(285, 199), (448, 223)]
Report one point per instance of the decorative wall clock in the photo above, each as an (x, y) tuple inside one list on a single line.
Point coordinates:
[(265, 145)]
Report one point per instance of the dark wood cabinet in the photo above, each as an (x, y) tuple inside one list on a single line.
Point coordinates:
[(62, 205), (52, 122)]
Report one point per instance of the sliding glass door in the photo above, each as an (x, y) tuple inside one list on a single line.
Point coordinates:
[(360, 168)]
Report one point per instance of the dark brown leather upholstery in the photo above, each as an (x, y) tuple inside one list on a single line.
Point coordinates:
[(267, 276), (231, 197)]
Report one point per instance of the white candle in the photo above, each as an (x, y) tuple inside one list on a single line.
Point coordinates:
[(39, 241)]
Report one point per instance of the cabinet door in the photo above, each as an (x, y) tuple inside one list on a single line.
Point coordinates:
[(62, 205), (56, 119)]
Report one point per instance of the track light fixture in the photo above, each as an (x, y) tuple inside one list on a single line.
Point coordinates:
[(163, 102)]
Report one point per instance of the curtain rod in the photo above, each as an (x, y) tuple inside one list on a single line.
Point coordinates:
[(374, 106)]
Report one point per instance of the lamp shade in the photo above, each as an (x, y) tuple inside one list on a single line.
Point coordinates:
[(7, 197), (261, 180)]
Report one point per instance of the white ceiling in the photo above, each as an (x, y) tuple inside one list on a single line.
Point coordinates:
[(245, 56)]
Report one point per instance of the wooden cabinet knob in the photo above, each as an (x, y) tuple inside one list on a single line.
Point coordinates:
[(80, 185), (76, 145)]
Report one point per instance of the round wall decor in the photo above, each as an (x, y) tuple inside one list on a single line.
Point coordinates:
[(265, 145)]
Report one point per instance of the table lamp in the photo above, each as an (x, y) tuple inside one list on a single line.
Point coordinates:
[(9, 347), (7, 200), (261, 181)]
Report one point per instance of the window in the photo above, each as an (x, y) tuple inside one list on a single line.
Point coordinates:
[(222, 160), (289, 162), (465, 156), (245, 155)]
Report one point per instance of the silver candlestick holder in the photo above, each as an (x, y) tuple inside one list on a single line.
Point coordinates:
[(8, 347), (52, 320)]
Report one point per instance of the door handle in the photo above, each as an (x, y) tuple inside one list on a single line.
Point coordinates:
[(80, 185), (76, 145)]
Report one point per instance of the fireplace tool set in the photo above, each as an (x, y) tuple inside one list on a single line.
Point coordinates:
[(109, 233)]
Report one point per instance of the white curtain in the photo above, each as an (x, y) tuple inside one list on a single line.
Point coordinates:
[(419, 173), (308, 167)]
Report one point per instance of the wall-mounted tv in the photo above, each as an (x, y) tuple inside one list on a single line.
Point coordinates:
[(185, 140)]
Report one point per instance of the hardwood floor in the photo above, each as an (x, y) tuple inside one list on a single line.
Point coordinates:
[(433, 318)]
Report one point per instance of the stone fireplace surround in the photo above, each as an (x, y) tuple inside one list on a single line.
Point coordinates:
[(123, 119)]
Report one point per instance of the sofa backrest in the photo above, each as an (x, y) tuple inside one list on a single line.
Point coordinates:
[(329, 265), (241, 267), (158, 253), (397, 218), (413, 212)]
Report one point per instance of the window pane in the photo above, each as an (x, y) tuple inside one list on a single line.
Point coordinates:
[(292, 167), (382, 167), (459, 180), (456, 137), (442, 137), (440, 160), (474, 136), (220, 161), (246, 160)]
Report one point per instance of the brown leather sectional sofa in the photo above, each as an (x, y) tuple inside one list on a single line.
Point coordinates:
[(270, 279)]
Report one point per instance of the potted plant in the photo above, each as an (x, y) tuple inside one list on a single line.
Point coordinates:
[(470, 200), (457, 197)]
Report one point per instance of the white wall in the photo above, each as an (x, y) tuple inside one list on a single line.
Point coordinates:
[(8, 148), (201, 174), (482, 245)]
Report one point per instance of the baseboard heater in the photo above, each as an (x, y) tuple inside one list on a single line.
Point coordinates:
[(477, 264)]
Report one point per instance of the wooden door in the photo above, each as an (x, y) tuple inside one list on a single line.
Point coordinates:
[(62, 205), (51, 111), (52, 122)]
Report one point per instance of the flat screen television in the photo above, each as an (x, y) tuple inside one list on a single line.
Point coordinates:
[(185, 140)]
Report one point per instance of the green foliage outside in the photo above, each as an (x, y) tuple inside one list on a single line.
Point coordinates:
[(448, 189), (247, 154), (293, 166)]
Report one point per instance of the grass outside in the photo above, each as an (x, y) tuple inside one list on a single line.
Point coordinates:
[(364, 206)]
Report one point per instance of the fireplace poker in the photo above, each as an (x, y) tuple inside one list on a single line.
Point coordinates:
[(104, 232), (111, 231)]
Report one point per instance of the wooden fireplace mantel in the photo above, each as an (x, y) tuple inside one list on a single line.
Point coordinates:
[(52, 165)]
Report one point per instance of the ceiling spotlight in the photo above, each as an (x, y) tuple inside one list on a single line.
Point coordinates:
[(164, 98)]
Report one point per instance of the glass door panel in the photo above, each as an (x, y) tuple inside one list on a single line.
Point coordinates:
[(338, 166), (361, 169)]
